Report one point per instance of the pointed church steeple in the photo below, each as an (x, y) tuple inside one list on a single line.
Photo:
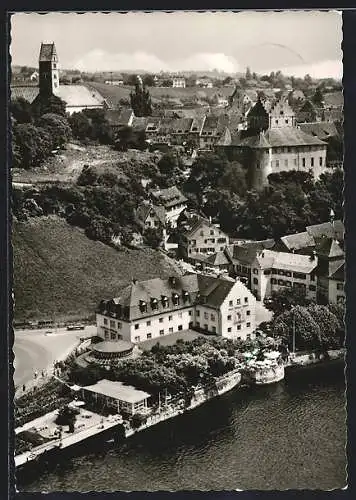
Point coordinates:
[(48, 69)]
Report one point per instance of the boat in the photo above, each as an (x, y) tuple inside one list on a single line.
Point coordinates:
[(267, 371)]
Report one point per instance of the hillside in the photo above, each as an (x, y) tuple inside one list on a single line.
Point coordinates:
[(59, 271)]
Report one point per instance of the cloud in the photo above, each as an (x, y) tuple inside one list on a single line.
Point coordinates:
[(99, 60), (322, 69)]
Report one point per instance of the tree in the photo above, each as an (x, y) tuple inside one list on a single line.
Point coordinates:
[(148, 81), (21, 110), (248, 75), (153, 237), (48, 104), (33, 145), (141, 99), (80, 125), (300, 325), (328, 324), (137, 420), (284, 299), (58, 128), (318, 98), (67, 416)]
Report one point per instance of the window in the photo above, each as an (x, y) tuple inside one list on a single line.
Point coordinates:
[(288, 273), (171, 329), (214, 329), (288, 283), (266, 272), (238, 327), (198, 324), (105, 321), (149, 335), (339, 286), (286, 124), (229, 317), (190, 313), (206, 315), (198, 313), (320, 161), (255, 271), (230, 303), (246, 300), (137, 339), (281, 273), (161, 320), (119, 325), (273, 281), (161, 332), (281, 282), (170, 318), (229, 329), (180, 315), (212, 317), (248, 313), (148, 323), (286, 163), (212, 232), (113, 336), (303, 162), (255, 281), (312, 288), (137, 326), (300, 276), (248, 325), (295, 161), (54, 65), (312, 162), (238, 302), (312, 277), (276, 122), (277, 162)]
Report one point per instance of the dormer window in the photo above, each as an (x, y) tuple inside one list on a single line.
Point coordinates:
[(164, 301), (185, 296), (143, 306), (154, 304), (175, 299)]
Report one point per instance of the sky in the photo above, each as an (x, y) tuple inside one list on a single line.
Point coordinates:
[(295, 42)]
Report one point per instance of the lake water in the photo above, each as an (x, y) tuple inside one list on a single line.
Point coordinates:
[(288, 435)]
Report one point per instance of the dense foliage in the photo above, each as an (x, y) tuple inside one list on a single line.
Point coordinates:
[(310, 327), (37, 130), (291, 201)]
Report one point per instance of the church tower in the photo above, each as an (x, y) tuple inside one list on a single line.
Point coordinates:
[(48, 69)]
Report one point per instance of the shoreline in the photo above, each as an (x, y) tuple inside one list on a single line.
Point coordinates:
[(113, 430)]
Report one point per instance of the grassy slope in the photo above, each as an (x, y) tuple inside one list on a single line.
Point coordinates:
[(58, 270)]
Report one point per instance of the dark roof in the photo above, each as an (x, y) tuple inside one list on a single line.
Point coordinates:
[(244, 255), (328, 247), (144, 291), (213, 291), (331, 230), (183, 124), (47, 51), (170, 196), (27, 93), (144, 210), (118, 117), (258, 110), (322, 130), (217, 259), (337, 271)]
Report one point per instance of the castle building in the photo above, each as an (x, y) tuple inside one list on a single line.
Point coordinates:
[(273, 143), (151, 309), (76, 97)]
